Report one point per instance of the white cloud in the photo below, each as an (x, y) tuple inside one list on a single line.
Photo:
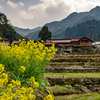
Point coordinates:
[(14, 5), (49, 10), (25, 15), (21, 3), (1, 7)]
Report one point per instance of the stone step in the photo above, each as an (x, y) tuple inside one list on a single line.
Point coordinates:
[(72, 70), (64, 63), (75, 60), (77, 56), (73, 63)]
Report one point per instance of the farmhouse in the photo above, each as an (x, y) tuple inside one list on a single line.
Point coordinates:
[(71, 45), (4, 41)]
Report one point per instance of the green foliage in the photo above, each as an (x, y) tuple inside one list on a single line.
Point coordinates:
[(44, 34), (85, 48), (3, 19), (10, 33), (6, 30), (84, 29), (26, 60)]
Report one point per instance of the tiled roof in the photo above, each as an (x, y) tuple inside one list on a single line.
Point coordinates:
[(48, 43), (86, 38), (59, 40), (75, 39), (75, 45)]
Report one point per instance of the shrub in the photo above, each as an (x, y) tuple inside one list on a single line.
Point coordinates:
[(15, 91), (26, 60)]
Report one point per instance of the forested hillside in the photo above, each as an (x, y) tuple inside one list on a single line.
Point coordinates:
[(6, 30), (88, 28)]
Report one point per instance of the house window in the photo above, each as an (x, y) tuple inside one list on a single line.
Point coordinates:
[(84, 42)]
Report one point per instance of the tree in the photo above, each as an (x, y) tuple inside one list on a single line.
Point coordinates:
[(44, 34), (6, 30), (3, 19)]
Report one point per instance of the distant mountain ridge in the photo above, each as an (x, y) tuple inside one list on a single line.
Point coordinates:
[(23, 31), (59, 27), (73, 19), (88, 28)]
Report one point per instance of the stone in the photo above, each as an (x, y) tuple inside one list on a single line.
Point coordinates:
[(84, 89)]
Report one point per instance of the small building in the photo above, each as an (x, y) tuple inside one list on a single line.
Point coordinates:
[(16, 42), (5, 41), (72, 45), (96, 46)]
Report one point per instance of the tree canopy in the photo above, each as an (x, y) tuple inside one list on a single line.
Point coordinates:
[(6, 30), (44, 34)]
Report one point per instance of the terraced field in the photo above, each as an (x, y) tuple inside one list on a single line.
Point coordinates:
[(83, 66)]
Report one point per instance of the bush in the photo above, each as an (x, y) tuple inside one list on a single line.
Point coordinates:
[(15, 91), (26, 60)]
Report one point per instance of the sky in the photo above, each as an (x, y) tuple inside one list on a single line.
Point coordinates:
[(35, 13)]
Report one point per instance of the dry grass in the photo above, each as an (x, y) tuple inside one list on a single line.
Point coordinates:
[(88, 96)]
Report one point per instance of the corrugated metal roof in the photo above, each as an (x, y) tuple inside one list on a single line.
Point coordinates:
[(96, 43)]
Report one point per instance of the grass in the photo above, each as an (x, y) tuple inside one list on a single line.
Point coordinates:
[(72, 75), (62, 90), (88, 96)]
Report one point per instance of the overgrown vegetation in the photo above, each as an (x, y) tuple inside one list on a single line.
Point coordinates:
[(33, 56), (13, 90), (24, 64), (88, 96)]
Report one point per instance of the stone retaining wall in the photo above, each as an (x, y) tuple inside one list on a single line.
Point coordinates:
[(72, 70), (92, 84)]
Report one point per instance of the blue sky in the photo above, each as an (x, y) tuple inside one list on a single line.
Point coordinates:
[(34, 13)]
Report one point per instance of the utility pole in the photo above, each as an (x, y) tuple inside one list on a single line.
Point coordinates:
[(92, 32)]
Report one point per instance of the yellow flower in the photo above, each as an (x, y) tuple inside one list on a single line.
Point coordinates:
[(22, 69), (0, 38), (42, 41), (36, 84), (32, 80), (19, 40), (1, 68), (23, 90), (29, 90), (49, 97)]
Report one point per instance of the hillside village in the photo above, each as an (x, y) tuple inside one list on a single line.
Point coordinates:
[(65, 66)]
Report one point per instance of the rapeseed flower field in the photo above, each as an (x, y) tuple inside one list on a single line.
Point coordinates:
[(21, 66)]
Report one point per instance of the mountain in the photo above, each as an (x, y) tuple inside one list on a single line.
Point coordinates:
[(57, 28), (88, 28), (24, 32), (73, 19), (33, 35)]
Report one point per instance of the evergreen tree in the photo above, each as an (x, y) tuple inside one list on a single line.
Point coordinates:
[(6, 30), (44, 34)]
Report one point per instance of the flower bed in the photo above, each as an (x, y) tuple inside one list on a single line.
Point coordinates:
[(24, 65)]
